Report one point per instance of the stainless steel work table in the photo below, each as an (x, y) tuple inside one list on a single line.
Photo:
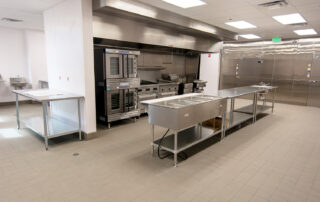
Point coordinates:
[(47, 126), (240, 115)]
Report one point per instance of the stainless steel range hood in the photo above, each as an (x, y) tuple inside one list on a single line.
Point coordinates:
[(132, 21)]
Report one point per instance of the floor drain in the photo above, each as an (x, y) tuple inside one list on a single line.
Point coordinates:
[(76, 154)]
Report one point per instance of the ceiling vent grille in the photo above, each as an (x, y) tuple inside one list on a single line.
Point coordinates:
[(11, 20), (274, 4)]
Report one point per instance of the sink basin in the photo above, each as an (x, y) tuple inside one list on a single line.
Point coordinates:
[(18, 82)]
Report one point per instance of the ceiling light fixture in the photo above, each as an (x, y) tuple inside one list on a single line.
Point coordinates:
[(241, 24), (250, 36), (289, 19), (185, 3), (133, 8), (304, 32)]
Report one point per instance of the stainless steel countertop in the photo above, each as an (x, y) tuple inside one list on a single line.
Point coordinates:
[(240, 91), (45, 95)]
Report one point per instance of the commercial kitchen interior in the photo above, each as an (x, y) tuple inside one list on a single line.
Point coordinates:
[(160, 100)]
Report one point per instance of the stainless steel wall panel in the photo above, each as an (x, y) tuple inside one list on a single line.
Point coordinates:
[(267, 67), (284, 90), (299, 93), (314, 93), (315, 68), (283, 66), (301, 62)]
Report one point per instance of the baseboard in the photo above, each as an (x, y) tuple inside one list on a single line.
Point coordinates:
[(89, 136), (14, 103)]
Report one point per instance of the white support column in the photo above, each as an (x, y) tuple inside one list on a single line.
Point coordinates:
[(69, 47)]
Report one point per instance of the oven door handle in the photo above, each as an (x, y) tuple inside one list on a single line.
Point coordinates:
[(147, 96), (168, 93)]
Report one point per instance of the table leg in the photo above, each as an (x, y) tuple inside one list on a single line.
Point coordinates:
[(255, 101), (273, 97), (45, 123), (152, 140), (79, 118), (231, 110), (201, 129), (223, 126), (175, 148), (17, 111)]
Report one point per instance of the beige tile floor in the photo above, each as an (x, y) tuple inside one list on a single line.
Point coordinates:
[(275, 159)]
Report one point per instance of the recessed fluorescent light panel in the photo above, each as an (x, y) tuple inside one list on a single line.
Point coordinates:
[(185, 3), (250, 36), (304, 32), (294, 18), (133, 8), (241, 24)]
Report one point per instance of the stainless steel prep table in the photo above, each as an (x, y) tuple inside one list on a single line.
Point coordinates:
[(47, 126), (184, 115), (238, 116)]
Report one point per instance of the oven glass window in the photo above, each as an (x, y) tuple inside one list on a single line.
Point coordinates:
[(130, 65), (115, 101), (114, 65), (129, 99)]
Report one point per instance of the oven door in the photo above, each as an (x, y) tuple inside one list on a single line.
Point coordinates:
[(130, 66), (130, 100), (114, 101), (114, 68)]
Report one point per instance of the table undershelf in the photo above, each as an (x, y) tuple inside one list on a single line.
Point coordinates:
[(238, 118), (56, 127), (186, 138), (249, 109)]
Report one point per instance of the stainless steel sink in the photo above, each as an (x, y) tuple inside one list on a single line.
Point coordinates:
[(181, 113), (18, 82)]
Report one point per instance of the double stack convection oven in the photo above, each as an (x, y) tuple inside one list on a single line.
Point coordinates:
[(116, 84)]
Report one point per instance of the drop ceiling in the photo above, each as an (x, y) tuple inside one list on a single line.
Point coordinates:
[(218, 12), (215, 12)]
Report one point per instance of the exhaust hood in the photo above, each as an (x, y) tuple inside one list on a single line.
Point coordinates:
[(137, 11)]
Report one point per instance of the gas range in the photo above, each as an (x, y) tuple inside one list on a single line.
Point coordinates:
[(150, 90)]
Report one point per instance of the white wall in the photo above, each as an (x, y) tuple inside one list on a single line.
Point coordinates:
[(36, 57), (13, 60), (69, 42), (20, 51), (210, 72)]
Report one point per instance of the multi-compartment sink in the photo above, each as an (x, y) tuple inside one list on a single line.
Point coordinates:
[(184, 112)]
